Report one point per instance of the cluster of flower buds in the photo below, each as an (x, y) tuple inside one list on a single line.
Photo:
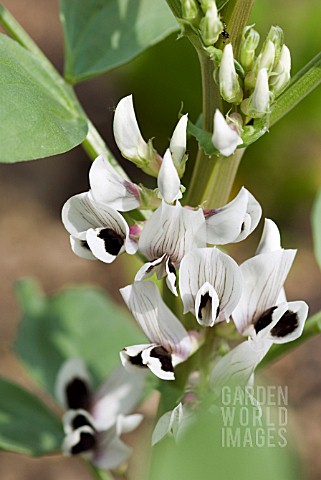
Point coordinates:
[(250, 84), (204, 17), (179, 244)]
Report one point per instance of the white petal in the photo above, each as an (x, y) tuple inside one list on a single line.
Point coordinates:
[(169, 423), (172, 230), (261, 94), (168, 180), (227, 224), (105, 244), (149, 268), (134, 352), (237, 367), (268, 320), (70, 416), (263, 278), (71, 370), (120, 394), (206, 312), (127, 134), (81, 248), (157, 321), (128, 423), (270, 239), (171, 277), (204, 265), (291, 324), (178, 141), (75, 438), (111, 452), (110, 188), (224, 138), (161, 365)]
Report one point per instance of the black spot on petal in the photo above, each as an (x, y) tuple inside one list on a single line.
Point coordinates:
[(242, 227), (112, 240), (171, 267), (84, 244), (286, 325), (78, 394), (86, 442), (137, 360), (264, 320), (80, 420), (204, 299), (164, 357)]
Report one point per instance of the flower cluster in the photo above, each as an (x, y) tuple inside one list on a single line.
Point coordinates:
[(180, 245)]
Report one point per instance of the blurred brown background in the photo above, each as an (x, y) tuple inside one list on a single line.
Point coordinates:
[(283, 170)]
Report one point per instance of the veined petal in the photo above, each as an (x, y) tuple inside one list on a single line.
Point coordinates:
[(235, 221), (224, 138), (178, 141), (118, 395), (237, 367), (168, 180), (157, 321), (149, 268), (108, 187), (172, 230), (209, 265), (263, 279), (270, 239), (73, 385), (126, 131)]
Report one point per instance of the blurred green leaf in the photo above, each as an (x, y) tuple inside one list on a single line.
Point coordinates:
[(77, 322), (316, 228), (103, 34), (38, 115), (203, 137), (306, 80), (205, 448), (26, 424)]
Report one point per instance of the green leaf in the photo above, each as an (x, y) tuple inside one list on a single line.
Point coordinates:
[(26, 425), (204, 139), (38, 116), (103, 34), (316, 228), (306, 80), (77, 322), (206, 446)]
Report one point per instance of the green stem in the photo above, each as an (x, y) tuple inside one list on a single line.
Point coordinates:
[(211, 100), (235, 14), (312, 327), (222, 179), (97, 473), (175, 6)]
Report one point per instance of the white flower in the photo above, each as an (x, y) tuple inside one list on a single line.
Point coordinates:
[(97, 231), (210, 285), (177, 145), (110, 188), (94, 422), (282, 72), (168, 180), (235, 221), (170, 342), (224, 138), (259, 313)]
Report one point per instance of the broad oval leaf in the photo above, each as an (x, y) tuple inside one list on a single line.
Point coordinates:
[(26, 425), (77, 322), (103, 34), (38, 117)]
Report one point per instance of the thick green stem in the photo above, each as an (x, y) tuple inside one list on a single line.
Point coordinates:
[(97, 473), (211, 100), (222, 179), (235, 15), (312, 328)]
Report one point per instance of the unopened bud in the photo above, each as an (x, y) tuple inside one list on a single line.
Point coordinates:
[(211, 26), (281, 74), (276, 36), (189, 9), (250, 41), (177, 145), (225, 136), (207, 5), (230, 87), (267, 56), (258, 104)]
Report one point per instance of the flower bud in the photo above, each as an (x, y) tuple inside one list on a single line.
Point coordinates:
[(207, 5), (281, 75), (250, 41), (259, 102), (225, 136), (267, 56), (276, 36), (189, 9), (211, 26), (177, 145), (230, 87)]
